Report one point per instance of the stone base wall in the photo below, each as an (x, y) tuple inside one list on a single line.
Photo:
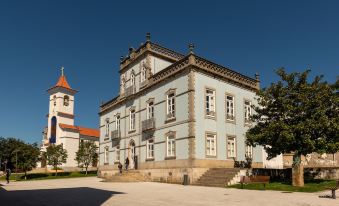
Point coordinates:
[(322, 173)]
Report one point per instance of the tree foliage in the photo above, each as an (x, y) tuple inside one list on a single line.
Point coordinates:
[(296, 116), (55, 155), (87, 154)]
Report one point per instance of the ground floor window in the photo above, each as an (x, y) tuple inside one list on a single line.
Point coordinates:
[(170, 146), (248, 151), (106, 155), (211, 145), (231, 147), (150, 149), (117, 154)]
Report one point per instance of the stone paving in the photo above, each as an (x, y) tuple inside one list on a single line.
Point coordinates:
[(92, 191)]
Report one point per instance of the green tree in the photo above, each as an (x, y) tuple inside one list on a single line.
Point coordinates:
[(296, 116), (87, 154), (28, 156), (56, 155)]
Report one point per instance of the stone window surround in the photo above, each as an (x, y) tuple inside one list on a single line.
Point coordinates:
[(132, 108), (149, 158), (215, 103), (234, 108), (150, 100), (167, 135), (106, 155), (215, 144), (247, 123), (235, 146), (169, 92)]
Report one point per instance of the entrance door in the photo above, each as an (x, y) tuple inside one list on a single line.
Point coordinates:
[(131, 154)]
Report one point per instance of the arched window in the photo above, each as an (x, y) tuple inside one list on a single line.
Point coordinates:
[(54, 100), (52, 139), (66, 100)]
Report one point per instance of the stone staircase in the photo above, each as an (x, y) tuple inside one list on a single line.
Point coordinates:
[(218, 177), (127, 176)]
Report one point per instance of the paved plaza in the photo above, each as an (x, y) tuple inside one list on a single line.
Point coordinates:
[(92, 191)]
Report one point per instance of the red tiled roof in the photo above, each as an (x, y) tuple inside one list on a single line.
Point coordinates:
[(82, 130), (63, 82)]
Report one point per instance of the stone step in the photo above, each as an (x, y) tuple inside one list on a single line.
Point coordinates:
[(217, 177)]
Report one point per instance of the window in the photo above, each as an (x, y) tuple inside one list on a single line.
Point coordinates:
[(150, 149), (210, 102), (54, 100), (66, 100), (231, 152), (230, 107), (150, 110), (171, 105), (106, 155), (132, 120), (170, 143), (133, 81), (248, 111), (211, 145), (117, 154), (143, 74), (107, 127), (117, 122), (248, 151)]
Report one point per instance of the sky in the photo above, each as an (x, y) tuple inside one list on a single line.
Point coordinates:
[(88, 38)]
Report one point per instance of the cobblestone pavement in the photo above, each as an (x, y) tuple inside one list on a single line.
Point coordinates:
[(91, 191)]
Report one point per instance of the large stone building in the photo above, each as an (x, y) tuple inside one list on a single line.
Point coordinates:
[(177, 114), (61, 128)]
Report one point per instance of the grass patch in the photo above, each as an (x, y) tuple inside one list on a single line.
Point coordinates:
[(310, 186), (45, 176)]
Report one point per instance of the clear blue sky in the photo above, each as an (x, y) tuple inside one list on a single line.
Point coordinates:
[(88, 38)]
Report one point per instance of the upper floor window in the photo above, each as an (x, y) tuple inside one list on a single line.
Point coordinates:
[(230, 115), (170, 105), (143, 74), (210, 102), (133, 80), (150, 110), (248, 111), (66, 100), (107, 127), (170, 144), (132, 120), (117, 122), (106, 154), (211, 145), (54, 100), (150, 149)]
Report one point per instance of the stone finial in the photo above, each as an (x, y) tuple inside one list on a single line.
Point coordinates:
[(148, 37), (121, 58), (257, 76), (131, 50), (191, 48), (62, 71)]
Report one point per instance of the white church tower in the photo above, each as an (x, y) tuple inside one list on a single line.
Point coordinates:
[(61, 108)]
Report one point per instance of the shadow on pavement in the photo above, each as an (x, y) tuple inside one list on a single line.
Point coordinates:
[(64, 196)]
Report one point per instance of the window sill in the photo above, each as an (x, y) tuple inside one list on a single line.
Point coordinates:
[(116, 162), (131, 131), (106, 138), (232, 121), (170, 158), (210, 117), (248, 124), (149, 159), (211, 156), (172, 119), (105, 163)]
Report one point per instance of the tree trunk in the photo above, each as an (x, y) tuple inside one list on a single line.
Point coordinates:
[(297, 171), (86, 170), (56, 171)]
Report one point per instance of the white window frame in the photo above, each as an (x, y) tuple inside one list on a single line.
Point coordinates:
[(117, 154), (230, 110), (150, 149), (132, 120), (107, 127), (210, 102), (150, 110), (170, 145), (248, 151), (117, 122), (170, 105), (231, 152), (106, 155), (211, 145), (248, 110)]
